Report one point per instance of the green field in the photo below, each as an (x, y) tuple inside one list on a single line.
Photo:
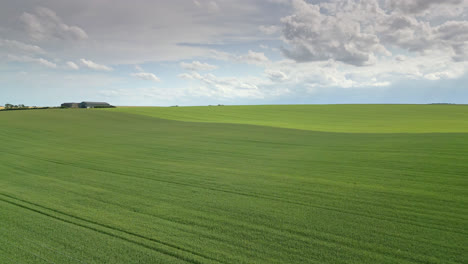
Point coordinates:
[(326, 118), (244, 184)]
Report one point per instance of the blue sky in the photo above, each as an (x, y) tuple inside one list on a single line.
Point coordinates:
[(187, 52)]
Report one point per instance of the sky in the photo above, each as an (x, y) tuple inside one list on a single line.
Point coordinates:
[(195, 52)]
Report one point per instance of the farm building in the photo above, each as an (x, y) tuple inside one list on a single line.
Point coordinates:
[(94, 104), (71, 105), (86, 105)]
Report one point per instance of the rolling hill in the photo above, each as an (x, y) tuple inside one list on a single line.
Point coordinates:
[(327, 118)]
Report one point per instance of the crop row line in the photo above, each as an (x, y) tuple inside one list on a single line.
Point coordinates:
[(101, 228)]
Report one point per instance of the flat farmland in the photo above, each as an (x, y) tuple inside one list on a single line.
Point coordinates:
[(235, 184)]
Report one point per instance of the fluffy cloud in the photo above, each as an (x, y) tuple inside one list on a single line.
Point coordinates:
[(437, 65), (276, 75), (358, 32), (44, 23), (46, 63), (253, 57), (343, 36), (40, 61), (71, 65), (94, 66), (146, 76), (411, 34), (13, 50), (455, 34), (197, 66)]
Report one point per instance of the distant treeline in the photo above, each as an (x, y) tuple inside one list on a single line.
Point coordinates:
[(11, 107)]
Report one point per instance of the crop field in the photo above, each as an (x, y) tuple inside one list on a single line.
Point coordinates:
[(235, 184), (326, 118)]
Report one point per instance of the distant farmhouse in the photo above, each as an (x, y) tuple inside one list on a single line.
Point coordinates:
[(71, 105), (87, 105)]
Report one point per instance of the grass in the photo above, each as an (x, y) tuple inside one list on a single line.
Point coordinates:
[(329, 118), (94, 186)]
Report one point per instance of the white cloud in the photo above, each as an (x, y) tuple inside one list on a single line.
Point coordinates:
[(44, 23), (389, 70), (276, 75), (252, 57), (40, 61), (146, 76), (19, 47), (73, 66), (46, 63), (221, 55), (186, 76), (94, 66), (197, 66)]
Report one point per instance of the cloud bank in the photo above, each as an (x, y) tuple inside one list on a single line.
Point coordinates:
[(357, 32), (146, 76)]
